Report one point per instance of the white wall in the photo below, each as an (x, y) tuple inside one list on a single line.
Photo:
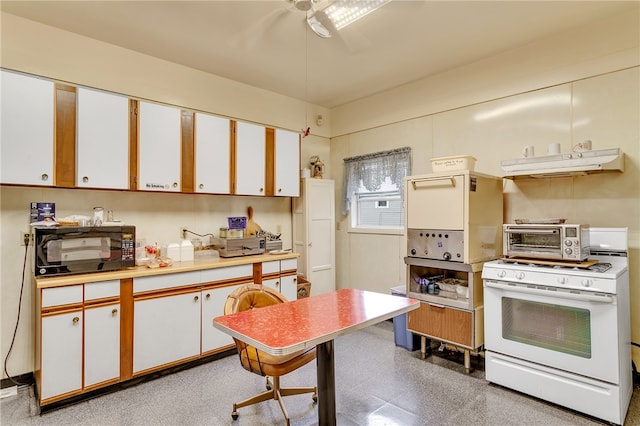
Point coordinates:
[(584, 84)]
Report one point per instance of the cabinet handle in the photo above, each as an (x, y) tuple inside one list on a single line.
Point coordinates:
[(175, 184), (201, 186), (85, 179), (208, 296), (277, 284), (114, 312), (279, 189), (295, 280), (196, 298), (76, 320), (44, 176), (261, 189)]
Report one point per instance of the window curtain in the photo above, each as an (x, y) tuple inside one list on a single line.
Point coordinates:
[(372, 169)]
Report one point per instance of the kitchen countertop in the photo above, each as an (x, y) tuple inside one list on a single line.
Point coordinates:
[(176, 267)]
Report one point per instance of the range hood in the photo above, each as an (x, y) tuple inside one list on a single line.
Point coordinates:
[(570, 164)]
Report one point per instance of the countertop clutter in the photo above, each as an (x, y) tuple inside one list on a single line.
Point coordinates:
[(143, 271)]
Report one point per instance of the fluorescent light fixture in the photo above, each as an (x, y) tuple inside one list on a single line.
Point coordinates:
[(345, 12), (341, 13)]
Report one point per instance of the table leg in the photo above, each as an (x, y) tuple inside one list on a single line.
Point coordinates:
[(326, 384)]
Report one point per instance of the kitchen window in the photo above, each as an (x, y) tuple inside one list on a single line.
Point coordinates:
[(373, 190)]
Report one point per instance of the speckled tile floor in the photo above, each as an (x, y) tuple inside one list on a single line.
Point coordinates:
[(377, 383)]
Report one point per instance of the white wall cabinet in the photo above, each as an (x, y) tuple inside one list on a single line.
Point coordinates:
[(166, 330), (212, 154), (27, 135), (159, 144), (250, 159), (102, 139), (314, 233), (287, 163)]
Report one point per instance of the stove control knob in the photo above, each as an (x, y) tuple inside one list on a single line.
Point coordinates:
[(586, 282), (501, 274), (520, 275), (562, 280), (413, 251)]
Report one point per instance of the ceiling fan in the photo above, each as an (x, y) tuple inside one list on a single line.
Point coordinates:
[(326, 17)]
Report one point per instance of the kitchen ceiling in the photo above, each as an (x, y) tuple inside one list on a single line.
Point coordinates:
[(267, 44)]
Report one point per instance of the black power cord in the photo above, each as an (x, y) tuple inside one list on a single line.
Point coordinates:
[(15, 331)]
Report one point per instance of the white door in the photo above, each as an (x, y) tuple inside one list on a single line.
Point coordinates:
[(321, 233), (213, 301), (287, 163), (250, 159), (213, 159), (165, 330), (102, 140), (61, 354), (27, 137), (159, 148), (101, 344)]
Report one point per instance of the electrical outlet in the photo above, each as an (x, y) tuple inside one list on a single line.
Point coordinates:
[(25, 235)]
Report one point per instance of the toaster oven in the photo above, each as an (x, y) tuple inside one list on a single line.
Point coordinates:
[(546, 241)]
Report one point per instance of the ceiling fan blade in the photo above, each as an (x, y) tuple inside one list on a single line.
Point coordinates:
[(260, 28), (353, 41)]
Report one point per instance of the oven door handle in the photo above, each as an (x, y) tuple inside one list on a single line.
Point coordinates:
[(530, 231), (581, 297)]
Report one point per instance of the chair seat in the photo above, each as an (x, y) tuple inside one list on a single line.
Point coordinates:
[(260, 362)]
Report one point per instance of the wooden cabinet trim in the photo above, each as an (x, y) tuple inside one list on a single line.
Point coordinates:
[(188, 157), (233, 153), (270, 162), (133, 144), (126, 329), (65, 136), (61, 309)]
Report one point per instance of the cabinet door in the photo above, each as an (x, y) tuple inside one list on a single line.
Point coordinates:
[(289, 286), (287, 163), (213, 301), (102, 140), (250, 159), (159, 148), (101, 344), (61, 354), (440, 322), (165, 330), (213, 158), (27, 130), (422, 193)]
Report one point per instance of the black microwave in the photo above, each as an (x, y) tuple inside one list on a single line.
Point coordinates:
[(68, 250)]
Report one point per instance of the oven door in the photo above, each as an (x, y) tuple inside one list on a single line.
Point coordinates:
[(541, 242), (575, 331)]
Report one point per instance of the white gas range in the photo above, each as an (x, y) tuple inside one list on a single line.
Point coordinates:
[(562, 333)]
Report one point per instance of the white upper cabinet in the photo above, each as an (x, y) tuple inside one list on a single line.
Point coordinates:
[(102, 140), (287, 163), (27, 130), (212, 157), (159, 148), (250, 159)]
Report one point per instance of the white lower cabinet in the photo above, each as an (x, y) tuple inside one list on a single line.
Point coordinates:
[(101, 344), (61, 354), (213, 301), (166, 330), (286, 281)]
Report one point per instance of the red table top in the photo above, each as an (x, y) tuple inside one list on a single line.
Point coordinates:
[(289, 327)]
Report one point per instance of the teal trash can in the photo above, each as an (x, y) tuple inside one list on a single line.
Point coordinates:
[(402, 336)]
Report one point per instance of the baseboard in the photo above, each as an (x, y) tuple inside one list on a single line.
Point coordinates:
[(26, 379)]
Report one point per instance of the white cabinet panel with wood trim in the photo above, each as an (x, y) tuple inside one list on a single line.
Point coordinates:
[(61, 354), (213, 301), (102, 140), (166, 330), (159, 144), (314, 233), (250, 159), (212, 154), (101, 344), (27, 131), (287, 163)]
